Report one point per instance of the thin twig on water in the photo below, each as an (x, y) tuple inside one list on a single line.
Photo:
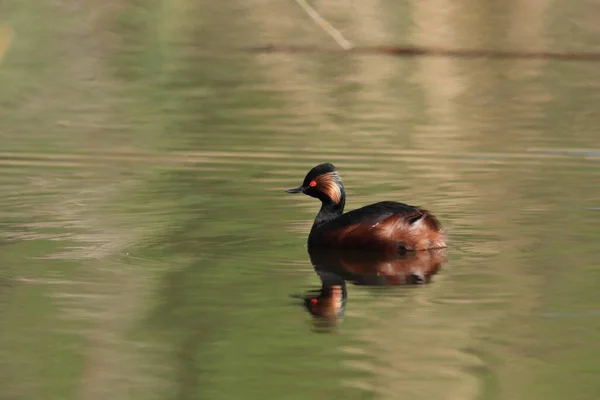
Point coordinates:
[(323, 23)]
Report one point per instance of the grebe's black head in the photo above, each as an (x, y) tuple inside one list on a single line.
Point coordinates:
[(324, 183)]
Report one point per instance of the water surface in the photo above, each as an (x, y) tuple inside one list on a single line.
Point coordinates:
[(149, 250)]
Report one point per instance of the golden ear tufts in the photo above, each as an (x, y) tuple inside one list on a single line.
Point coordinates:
[(328, 183)]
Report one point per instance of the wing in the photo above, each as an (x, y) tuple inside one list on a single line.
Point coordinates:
[(370, 214)]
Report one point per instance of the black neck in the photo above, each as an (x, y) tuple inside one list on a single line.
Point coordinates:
[(329, 210)]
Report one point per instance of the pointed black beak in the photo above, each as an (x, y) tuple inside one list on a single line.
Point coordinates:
[(299, 189)]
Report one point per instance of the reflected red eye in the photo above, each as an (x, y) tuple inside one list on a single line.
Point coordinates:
[(313, 301), (312, 184)]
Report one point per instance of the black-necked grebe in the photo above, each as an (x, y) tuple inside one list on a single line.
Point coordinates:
[(387, 226)]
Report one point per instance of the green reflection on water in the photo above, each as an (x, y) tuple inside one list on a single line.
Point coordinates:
[(148, 250)]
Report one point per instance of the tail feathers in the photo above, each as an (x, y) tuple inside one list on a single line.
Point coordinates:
[(418, 230), (424, 216)]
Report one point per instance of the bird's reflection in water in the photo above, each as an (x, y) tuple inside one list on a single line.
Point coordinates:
[(336, 268)]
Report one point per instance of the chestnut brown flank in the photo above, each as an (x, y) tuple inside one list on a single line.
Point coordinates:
[(418, 230)]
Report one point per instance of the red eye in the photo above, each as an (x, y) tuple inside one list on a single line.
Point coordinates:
[(312, 184), (314, 301)]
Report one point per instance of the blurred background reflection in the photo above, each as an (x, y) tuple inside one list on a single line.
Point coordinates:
[(148, 250)]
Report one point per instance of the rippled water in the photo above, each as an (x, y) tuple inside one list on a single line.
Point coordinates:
[(148, 250)]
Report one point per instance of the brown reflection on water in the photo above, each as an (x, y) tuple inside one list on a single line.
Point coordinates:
[(335, 268)]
